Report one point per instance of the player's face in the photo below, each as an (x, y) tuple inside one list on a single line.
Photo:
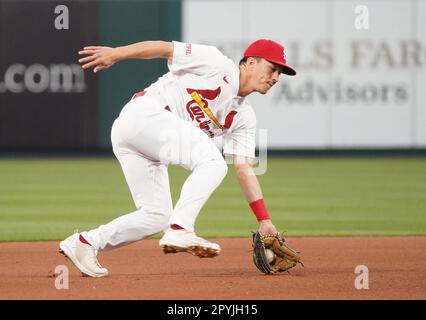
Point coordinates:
[(266, 75)]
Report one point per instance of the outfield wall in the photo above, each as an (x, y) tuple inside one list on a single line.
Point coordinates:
[(47, 101), (355, 88)]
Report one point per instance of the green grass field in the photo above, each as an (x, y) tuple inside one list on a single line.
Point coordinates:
[(47, 199)]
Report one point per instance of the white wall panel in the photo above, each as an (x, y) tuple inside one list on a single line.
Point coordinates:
[(354, 88)]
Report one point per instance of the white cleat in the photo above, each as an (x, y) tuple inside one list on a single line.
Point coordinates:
[(175, 241), (83, 256)]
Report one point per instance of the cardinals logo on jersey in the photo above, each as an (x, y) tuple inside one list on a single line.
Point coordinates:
[(195, 108), (198, 109)]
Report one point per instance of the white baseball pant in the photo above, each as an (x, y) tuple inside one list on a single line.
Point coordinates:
[(146, 138)]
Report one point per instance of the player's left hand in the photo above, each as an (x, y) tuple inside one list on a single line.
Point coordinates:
[(99, 58)]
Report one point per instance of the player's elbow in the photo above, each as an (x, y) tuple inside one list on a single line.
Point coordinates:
[(165, 49), (242, 170), (241, 163)]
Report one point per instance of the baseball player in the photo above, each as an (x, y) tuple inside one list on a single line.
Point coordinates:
[(173, 122)]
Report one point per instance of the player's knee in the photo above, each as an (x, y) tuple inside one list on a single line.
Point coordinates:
[(224, 167), (159, 208), (158, 221), (161, 224), (220, 167)]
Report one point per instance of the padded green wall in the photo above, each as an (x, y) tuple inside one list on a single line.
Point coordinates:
[(125, 22)]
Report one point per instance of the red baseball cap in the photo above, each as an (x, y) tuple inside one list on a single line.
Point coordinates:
[(270, 51)]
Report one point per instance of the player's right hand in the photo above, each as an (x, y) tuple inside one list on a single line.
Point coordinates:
[(98, 58), (266, 227)]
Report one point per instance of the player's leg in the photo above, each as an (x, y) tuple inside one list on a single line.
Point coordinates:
[(208, 170), (146, 138), (162, 137), (149, 185), (166, 138), (148, 182), (179, 142)]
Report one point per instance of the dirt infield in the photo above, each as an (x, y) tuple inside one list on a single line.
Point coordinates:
[(396, 269)]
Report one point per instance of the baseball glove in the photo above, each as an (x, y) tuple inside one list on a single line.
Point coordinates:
[(271, 254)]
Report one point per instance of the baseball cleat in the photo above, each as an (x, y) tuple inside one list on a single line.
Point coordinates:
[(83, 256), (175, 241)]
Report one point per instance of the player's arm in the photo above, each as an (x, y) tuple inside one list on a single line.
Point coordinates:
[(253, 193), (100, 58)]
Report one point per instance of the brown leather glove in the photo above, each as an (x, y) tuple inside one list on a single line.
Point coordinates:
[(271, 254)]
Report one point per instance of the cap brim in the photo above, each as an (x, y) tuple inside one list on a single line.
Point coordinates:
[(286, 68)]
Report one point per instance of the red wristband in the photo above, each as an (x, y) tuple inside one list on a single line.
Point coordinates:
[(259, 210)]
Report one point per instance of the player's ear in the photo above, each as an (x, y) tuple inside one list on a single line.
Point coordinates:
[(251, 62)]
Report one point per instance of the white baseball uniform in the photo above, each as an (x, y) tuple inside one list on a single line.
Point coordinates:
[(172, 122)]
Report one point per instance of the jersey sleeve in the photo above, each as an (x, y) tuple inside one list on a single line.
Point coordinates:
[(197, 59), (241, 140)]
